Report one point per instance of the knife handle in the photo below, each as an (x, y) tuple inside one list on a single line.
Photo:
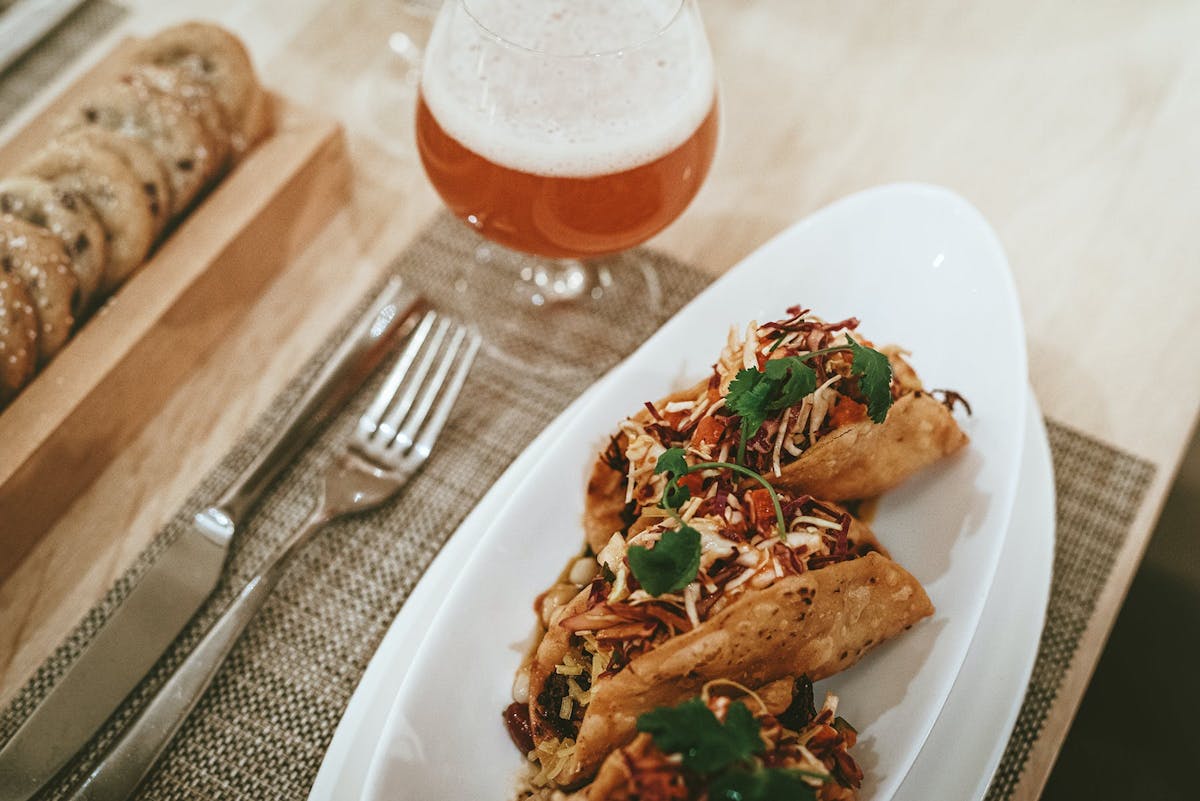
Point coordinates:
[(391, 316), (130, 759)]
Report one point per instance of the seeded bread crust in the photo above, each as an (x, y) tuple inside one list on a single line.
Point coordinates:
[(187, 153), (218, 59), (18, 338), (68, 217), (37, 258), (140, 159), (113, 192), (197, 98)]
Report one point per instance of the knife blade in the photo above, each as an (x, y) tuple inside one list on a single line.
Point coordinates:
[(137, 633)]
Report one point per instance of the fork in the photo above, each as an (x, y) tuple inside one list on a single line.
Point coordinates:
[(391, 441)]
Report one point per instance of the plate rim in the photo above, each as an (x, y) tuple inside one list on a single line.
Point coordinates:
[(1042, 536)]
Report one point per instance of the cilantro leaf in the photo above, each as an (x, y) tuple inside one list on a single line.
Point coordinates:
[(765, 784), (745, 391), (748, 473), (671, 564), (748, 395), (876, 378), (793, 378), (672, 461), (674, 495), (755, 394), (707, 745)]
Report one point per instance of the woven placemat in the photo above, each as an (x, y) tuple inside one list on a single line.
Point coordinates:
[(1099, 491), (262, 729), (29, 75)]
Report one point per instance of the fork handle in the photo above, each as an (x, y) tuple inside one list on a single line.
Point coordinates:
[(129, 760)]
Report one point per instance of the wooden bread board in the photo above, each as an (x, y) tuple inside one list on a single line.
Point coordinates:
[(120, 368)]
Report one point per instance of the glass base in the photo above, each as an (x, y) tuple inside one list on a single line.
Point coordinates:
[(545, 282), (541, 314)]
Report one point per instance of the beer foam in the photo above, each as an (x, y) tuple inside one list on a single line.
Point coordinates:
[(569, 88)]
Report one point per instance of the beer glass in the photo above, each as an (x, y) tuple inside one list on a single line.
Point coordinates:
[(565, 131)]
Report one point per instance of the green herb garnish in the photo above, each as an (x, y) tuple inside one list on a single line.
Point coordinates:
[(749, 393), (674, 560), (764, 784), (723, 752), (671, 564), (794, 378), (875, 378), (674, 463), (706, 744), (754, 394)]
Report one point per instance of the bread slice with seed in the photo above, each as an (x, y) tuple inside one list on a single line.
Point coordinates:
[(37, 258), (71, 219)]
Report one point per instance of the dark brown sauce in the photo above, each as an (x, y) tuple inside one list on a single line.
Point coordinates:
[(865, 510)]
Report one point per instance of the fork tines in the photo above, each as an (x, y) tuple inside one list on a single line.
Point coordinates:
[(407, 414)]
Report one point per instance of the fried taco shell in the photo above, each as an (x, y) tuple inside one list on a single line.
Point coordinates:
[(862, 460), (842, 455), (606, 507), (794, 735), (816, 623)]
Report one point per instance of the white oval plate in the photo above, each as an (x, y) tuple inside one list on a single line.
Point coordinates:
[(975, 721), (978, 717), (920, 267)]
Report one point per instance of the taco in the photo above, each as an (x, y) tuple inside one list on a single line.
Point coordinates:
[(724, 745), (762, 606), (849, 422)]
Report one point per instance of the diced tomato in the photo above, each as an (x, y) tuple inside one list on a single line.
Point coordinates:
[(675, 419), (762, 510), (823, 738), (709, 432), (694, 482), (847, 411)]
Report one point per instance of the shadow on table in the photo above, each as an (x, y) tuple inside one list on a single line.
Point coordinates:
[(1137, 734)]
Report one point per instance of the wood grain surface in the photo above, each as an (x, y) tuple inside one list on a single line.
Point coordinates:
[(123, 364), (1072, 128)]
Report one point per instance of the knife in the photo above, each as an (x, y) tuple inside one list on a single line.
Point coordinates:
[(133, 638)]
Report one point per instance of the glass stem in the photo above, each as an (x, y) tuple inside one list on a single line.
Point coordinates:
[(556, 280), (545, 281)]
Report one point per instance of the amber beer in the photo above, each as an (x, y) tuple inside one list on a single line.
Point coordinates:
[(564, 156), (565, 216)]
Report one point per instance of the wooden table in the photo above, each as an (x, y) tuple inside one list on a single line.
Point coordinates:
[(1071, 129)]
